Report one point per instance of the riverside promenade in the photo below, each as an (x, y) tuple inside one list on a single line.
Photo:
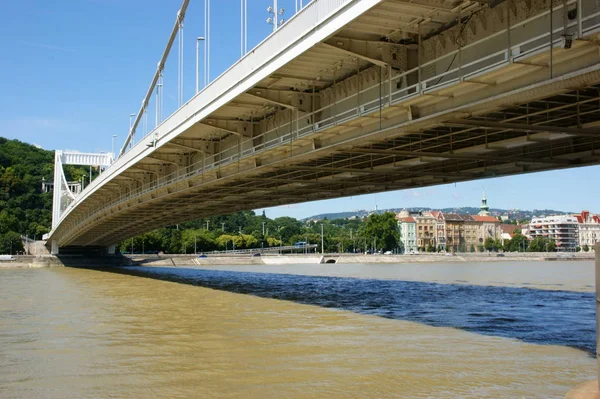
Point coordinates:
[(22, 261)]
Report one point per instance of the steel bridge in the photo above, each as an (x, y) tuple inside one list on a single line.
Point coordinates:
[(360, 96)]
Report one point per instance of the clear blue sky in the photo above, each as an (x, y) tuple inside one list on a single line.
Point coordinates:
[(73, 71)]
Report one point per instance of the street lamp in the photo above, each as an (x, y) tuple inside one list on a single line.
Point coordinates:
[(322, 245), (198, 40), (274, 20)]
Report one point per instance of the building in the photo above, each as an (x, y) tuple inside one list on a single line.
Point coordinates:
[(426, 230), (488, 227), (484, 209), (440, 230), (471, 228), (562, 229), (407, 227), (74, 186), (454, 233), (589, 230)]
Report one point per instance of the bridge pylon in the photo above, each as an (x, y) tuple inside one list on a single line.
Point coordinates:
[(65, 194)]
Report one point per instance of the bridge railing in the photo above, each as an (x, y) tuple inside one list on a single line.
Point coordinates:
[(286, 35), (478, 65)]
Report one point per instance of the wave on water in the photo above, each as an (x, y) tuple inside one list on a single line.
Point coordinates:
[(530, 315)]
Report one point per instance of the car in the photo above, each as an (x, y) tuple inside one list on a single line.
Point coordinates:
[(500, 255), (202, 256), (387, 253), (449, 254), (256, 254)]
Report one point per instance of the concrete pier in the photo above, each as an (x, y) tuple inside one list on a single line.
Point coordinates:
[(591, 389)]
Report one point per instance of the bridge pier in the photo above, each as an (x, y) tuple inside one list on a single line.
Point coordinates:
[(111, 249), (54, 249), (597, 250), (591, 389)]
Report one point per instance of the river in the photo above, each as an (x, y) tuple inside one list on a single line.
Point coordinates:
[(460, 330)]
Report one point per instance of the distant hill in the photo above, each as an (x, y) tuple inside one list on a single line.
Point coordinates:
[(514, 214)]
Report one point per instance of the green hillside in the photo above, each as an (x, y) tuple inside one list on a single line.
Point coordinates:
[(24, 209)]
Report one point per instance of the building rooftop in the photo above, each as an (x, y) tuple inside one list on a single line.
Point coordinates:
[(486, 219)]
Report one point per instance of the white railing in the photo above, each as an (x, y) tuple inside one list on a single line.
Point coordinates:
[(479, 66), (287, 34)]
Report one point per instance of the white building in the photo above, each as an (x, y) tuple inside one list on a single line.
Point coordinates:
[(589, 229), (563, 229), (408, 233)]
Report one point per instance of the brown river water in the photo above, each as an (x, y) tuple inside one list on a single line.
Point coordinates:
[(298, 331)]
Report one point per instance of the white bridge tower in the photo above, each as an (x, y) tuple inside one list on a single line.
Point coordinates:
[(63, 197)]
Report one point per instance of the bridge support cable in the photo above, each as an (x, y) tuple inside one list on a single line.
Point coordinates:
[(159, 69)]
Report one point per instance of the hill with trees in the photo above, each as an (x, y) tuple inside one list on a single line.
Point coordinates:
[(24, 208)]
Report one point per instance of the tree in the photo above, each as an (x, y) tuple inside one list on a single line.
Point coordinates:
[(273, 242), (472, 248), (384, 229), (518, 243), (541, 244), (490, 244), (10, 243), (585, 248), (430, 248)]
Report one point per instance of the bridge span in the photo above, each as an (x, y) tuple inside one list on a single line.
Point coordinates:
[(361, 96)]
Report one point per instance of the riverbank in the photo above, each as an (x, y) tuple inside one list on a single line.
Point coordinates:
[(222, 259), (26, 261)]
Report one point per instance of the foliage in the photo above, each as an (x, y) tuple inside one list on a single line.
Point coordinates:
[(518, 243), (24, 209), (10, 243), (541, 244), (383, 228), (585, 248)]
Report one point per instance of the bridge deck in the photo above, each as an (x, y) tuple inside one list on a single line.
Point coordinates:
[(371, 96)]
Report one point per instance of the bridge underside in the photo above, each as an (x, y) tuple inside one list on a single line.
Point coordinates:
[(363, 126)]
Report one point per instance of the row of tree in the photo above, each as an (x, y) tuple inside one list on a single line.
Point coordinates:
[(245, 229)]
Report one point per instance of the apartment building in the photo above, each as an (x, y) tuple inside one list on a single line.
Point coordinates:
[(426, 230), (589, 229), (562, 229), (407, 227)]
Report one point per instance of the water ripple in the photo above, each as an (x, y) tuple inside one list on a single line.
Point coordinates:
[(530, 315)]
